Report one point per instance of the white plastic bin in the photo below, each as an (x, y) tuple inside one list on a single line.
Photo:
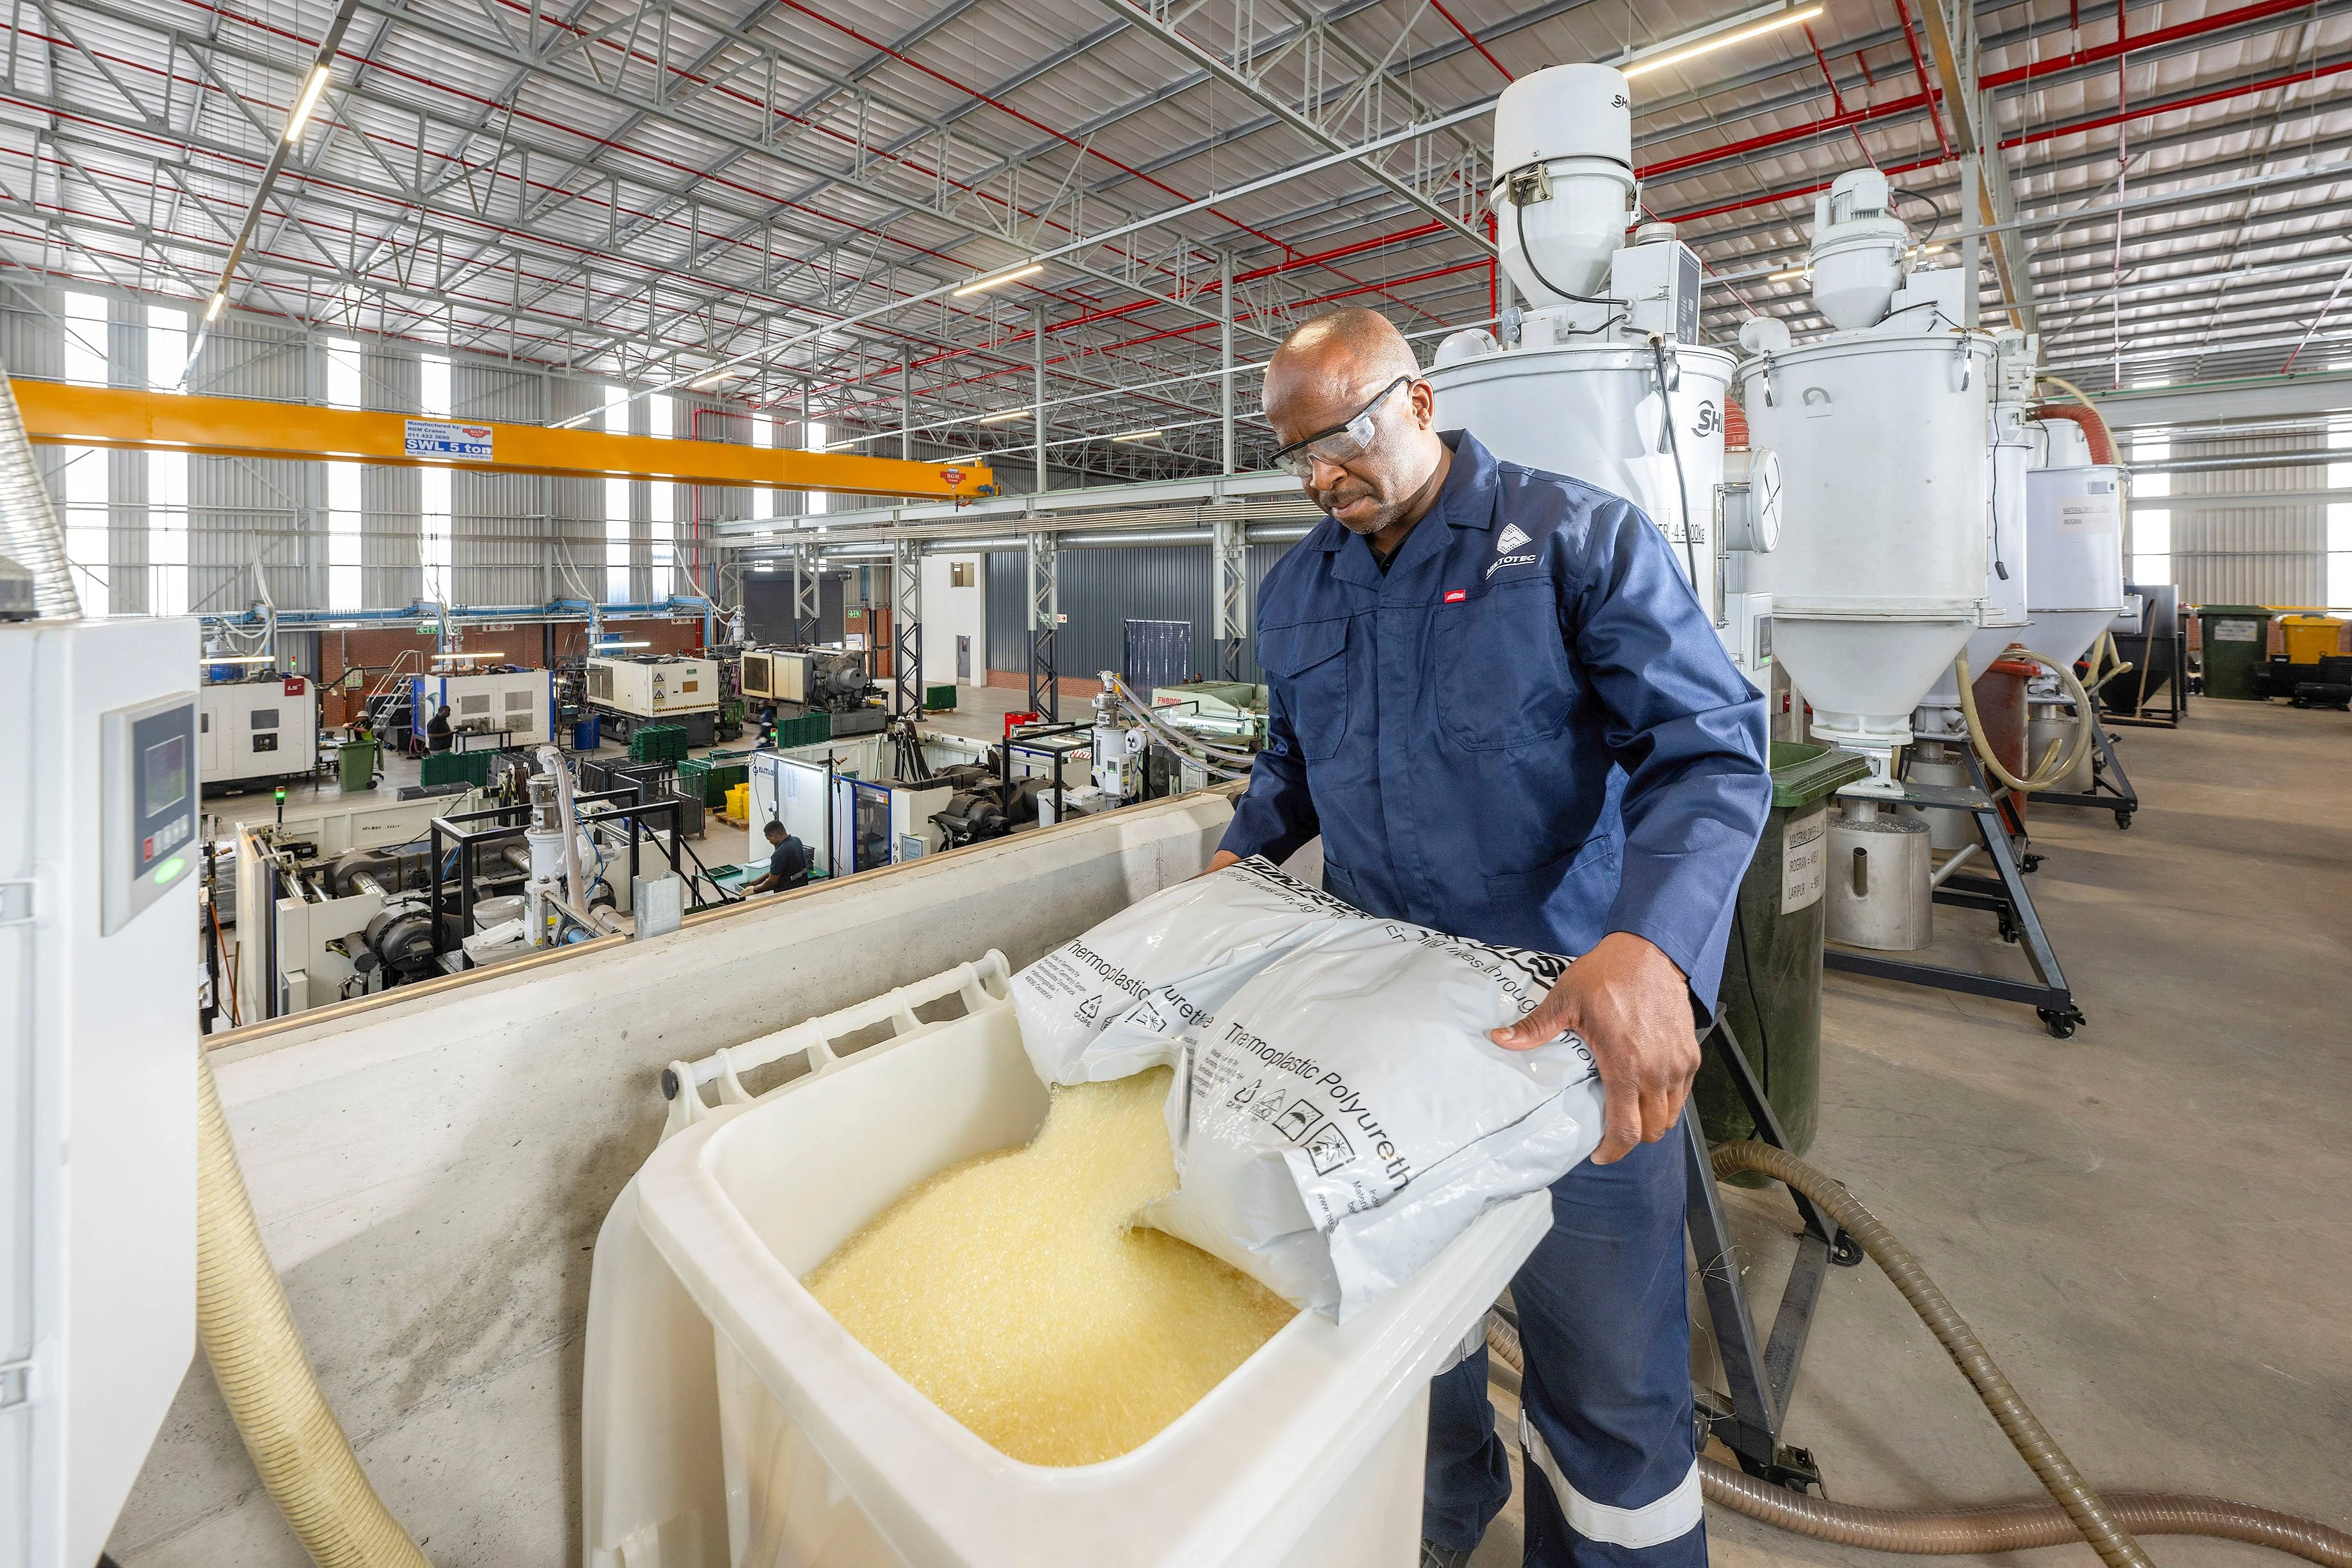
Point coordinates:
[(1309, 1454)]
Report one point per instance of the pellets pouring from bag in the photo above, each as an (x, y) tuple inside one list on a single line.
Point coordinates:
[(1337, 1114)]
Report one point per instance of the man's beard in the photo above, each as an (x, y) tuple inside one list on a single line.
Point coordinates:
[(1383, 513)]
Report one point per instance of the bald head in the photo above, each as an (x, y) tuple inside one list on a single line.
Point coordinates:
[(1351, 351), (1327, 373)]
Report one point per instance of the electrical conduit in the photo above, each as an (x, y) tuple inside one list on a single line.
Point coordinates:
[(2077, 1512), (256, 1356)]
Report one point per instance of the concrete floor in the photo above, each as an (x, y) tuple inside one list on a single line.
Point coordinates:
[(2144, 1223)]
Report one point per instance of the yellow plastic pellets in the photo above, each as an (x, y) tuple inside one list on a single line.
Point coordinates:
[(1016, 1291)]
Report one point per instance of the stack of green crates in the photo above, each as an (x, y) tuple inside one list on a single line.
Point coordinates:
[(711, 780), (659, 743), (938, 698), (455, 767), (814, 728)]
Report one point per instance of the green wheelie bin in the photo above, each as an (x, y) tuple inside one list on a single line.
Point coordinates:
[(2236, 641), (1771, 994)]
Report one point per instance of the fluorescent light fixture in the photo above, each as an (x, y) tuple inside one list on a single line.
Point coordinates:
[(1935, 249), (977, 284), (713, 379), (486, 653), (1790, 275), (310, 91), (617, 643), (1001, 417), (238, 658), (1675, 53), (214, 309), (1138, 436)]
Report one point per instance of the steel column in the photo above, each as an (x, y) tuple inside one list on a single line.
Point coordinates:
[(1229, 597), (1045, 614), (1225, 361), (807, 595), (907, 626), (907, 408), (1037, 391)]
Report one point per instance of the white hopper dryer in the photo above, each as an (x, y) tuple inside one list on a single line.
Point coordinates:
[(2074, 528), (1879, 430), (1577, 391)]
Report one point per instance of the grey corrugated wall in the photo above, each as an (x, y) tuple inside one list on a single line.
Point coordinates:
[(1102, 589)]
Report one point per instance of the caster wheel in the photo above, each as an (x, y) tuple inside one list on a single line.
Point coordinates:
[(2062, 1025), (2123, 820), (2031, 864), (2008, 932)]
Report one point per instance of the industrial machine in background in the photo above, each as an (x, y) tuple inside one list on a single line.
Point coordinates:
[(256, 733), (1601, 376), (100, 740), (1901, 442), (665, 688), (517, 705), (831, 681), (2074, 525)]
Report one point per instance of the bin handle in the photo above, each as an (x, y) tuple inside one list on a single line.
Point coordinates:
[(977, 984)]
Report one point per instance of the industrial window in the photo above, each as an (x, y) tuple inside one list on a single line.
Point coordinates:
[(344, 519), (2339, 517), (2150, 530), (662, 532), (434, 532), (87, 535), (616, 507), (167, 472), (763, 434)]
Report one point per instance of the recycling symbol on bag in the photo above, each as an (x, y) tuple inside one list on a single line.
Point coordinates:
[(1090, 1009)]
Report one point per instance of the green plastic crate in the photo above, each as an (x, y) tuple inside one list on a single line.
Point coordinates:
[(811, 729), (659, 743), (455, 767), (711, 780), (939, 699)]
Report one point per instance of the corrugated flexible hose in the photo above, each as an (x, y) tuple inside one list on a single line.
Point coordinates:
[(2075, 1512), (257, 1357)]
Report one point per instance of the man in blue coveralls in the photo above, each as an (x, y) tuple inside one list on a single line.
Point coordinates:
[(1497, 699)]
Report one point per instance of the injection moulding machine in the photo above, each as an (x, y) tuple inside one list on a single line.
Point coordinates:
[(520, 701), (664, 688), (254, 734), (833, 680)]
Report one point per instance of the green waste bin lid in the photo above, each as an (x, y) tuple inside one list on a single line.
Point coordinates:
[(2256, 612), (1803, 774)]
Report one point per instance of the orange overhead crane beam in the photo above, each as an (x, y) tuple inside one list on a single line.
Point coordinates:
[(127, 419)]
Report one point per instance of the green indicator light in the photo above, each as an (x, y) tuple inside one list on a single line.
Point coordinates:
[(169, 870)]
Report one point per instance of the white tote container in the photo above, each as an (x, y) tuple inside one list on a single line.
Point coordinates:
[(1311, 1453)]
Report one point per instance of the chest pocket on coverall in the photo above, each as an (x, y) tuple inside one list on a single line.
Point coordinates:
[(1503, 675), (1308, 664)]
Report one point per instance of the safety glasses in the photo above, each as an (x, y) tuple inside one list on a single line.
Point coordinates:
[(1340, 443)]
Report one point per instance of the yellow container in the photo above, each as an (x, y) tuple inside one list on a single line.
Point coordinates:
[(2310, 638), (739, 803)]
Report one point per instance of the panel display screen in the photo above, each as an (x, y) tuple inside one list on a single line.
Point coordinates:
[(166, 783)]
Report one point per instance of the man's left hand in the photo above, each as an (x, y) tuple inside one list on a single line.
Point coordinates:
[(1629, 1002)]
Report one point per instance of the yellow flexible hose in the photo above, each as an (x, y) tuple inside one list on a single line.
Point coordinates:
[(2073, 1511), (2050, 775), (257, 1357)]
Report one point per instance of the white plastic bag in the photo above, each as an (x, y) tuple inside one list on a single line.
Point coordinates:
[(1339, 1114), (1178, 952)]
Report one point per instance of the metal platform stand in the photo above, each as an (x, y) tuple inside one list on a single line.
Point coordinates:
[(2111, 787), (1750, 1420), (2003, 894)]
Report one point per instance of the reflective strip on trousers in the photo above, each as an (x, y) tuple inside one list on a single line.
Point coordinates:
[(1670, 1517)]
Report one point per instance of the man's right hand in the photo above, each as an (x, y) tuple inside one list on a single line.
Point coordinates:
[(1219, 860)]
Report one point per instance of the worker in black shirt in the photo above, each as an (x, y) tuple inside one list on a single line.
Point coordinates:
[(437, 732), (788, 862)]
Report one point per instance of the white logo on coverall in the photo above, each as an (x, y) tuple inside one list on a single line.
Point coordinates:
[(1510, 538)]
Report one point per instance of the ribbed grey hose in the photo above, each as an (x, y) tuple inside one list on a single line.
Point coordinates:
[(2007, 1527), (28, 524)]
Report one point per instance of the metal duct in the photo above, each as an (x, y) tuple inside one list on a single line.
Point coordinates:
[(1115, 538), (30, 534)]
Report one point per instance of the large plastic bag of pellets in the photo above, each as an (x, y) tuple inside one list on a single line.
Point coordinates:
[(1337, 1114)]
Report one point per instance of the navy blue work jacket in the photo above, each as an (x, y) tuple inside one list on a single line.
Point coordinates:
[(1525, 732)]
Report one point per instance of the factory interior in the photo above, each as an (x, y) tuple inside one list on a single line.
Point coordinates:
[(716, 852)]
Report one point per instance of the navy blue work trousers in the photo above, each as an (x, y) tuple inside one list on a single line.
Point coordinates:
[(1606, 1429)]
